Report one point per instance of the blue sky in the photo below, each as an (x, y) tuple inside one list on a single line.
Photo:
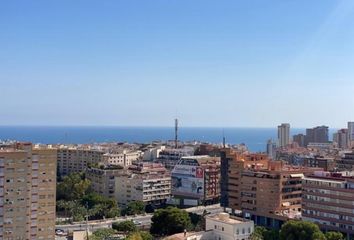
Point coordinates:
[(211, 63)]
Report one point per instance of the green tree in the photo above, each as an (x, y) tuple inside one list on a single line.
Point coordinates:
[(125, 226), (134, 236), (334, 236), (300, 230), (136, 207), (198, 221), (146, 236), (73, 187), (170, 221), (271, 234), (258, 233), (102, 234), (262, 233), (100, 206)]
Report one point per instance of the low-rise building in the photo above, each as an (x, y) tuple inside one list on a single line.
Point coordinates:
[(328, 200), (170, 157), (326, 163), (220, 227), (346, 163), (146, 182)]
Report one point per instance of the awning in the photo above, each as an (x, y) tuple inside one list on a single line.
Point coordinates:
[(297, 175)]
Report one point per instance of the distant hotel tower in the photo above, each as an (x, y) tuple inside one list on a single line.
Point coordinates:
[(351, 134), (284, 134)]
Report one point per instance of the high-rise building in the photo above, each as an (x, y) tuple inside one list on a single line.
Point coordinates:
[(271, 149), (328, 200), (316, 135), (299, 139), (351, 134), (27, 192), (341, 138), (284, 134), (268, 192)]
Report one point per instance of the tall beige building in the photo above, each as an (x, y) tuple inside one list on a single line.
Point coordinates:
[(284, 134), (27, 192)]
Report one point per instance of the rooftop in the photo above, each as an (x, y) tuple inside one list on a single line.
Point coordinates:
[(226, 218)]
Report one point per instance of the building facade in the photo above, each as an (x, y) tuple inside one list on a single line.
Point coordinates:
[(326, 163), (123, 158), (328, 200), (220, 227), (196, 180), (103, 179), (341, 138), (75, 160), (299, 139), (229, 228), (268, 192), (271, 149), (284, 134), (146, 182), (27, 192), (346, 163), (169, 157), (317, 135), (351, 133)]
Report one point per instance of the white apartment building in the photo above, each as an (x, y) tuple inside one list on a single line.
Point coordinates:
[(147, 182), (220, 227), (225, 227), (103, 179), (123, 158)]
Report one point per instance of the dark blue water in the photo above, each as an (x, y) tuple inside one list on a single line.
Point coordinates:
[(254, 138)]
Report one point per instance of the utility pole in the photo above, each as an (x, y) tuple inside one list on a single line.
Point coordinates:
[(176, 133), (87, 215)]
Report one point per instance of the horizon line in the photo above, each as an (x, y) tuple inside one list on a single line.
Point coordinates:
[(157, 126)]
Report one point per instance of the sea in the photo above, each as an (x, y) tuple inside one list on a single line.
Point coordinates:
[(254, 138)]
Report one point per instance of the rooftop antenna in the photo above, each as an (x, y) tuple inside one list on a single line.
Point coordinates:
[(176, 133), (223, 139)]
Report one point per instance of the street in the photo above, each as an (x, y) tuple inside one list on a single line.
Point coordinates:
[(144, 220)]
